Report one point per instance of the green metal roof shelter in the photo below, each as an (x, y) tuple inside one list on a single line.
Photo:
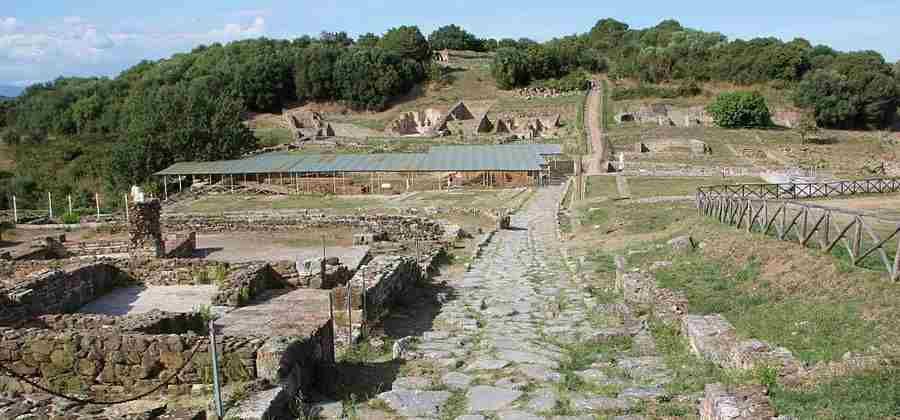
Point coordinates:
[(512, 158)]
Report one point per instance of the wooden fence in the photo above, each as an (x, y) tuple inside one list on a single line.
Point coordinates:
[(800, 190), (860, 234)]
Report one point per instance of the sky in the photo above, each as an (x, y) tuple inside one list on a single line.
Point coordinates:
[(44, 39)]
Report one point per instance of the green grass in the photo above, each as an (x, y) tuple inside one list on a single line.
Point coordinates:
[(868, 395), (813, 330), (643, 187), (273, 136), (636, 218)]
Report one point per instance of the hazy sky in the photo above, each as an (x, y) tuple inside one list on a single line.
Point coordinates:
[(43, 39)]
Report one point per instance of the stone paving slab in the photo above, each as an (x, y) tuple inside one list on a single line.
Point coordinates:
[(138, 300), (498, 347), (296, 313)]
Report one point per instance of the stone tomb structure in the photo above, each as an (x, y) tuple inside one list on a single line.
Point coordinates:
[(430, 122)]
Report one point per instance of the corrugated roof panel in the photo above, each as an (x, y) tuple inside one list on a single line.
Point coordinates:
[(519, 157)]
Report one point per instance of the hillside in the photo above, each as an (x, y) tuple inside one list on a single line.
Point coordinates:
[(113, 133)]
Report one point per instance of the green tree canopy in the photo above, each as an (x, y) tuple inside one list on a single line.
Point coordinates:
[(740, 109), (510, 68), (453, 37), (407, 41)]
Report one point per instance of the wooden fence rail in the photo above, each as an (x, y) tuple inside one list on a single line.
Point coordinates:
[(801, 190), (860, 234)]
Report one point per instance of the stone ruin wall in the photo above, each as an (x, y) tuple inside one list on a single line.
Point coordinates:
[(59, 291), (386, 279), (104, 362), (397, 228), (144, 231), (241, 286)]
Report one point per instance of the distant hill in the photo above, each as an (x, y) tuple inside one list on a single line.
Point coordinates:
[(10, 91)]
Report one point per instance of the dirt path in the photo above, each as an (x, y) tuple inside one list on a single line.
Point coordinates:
[(596, 160)]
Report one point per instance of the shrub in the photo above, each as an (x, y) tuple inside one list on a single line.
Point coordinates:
[(71, 219), (577, 80), (650, 91), (740, 109)]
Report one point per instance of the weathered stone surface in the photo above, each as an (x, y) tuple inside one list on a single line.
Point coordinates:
[(746, 403), (456, 380), (682, 244), (489, 398), (412, 403)]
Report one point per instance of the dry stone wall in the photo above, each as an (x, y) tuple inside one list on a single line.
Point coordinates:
[(104, 363), (396, 227), (243, 285), (59, 291)]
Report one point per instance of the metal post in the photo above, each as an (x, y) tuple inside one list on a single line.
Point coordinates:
[(322, 265), (50, 203), (127, 218), (70, 203), (350, 313), (331, 311), (15, 211), (217, 392), (363, 317), (97, 202), (179, 182)]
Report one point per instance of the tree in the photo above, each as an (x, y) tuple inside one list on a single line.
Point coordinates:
[(407, 41), (368, 40), (452, 37), (314, 73), (807, 126), (510, 68), (607, 34), (338, 39), (740, 109), (367, 78)]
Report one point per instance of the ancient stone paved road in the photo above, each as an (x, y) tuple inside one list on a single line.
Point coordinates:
[(498, 346)]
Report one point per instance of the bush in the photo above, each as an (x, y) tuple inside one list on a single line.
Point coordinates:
[(650, 91), (577, 80), (71, 218), (740, 109)]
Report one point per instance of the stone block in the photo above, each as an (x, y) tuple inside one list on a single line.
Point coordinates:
[(745, 403)]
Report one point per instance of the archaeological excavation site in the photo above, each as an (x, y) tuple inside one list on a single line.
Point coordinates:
[(598, 226)]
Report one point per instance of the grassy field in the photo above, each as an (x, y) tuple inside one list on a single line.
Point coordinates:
[(273, 136), (642, 187)]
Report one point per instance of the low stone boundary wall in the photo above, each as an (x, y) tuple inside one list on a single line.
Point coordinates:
[(711, 337), (396, 227), (386, 278), (243, 285), (153, 322), (96, 248), (104, 363), (60, 291), (745, 403)]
